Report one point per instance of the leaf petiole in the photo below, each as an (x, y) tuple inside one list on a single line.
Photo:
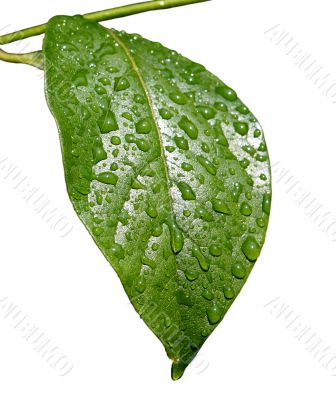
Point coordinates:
[(97, 16)]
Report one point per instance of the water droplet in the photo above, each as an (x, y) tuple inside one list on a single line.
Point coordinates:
[(220, 206), (220, 106), (228, 292), (100, 90), (97, 231), (251, 248), (257, 133), (178, 98), (242, 109), (214, 314), (244, 163), (245, 209), (188, 127), (151, 211), (207, 295), (157, 231), (143, 145), (260, 222), (241, 128), (136, 184), (108, 122), (261, 157), (186, 191), (262, 147), (138, 98), (249, 149), (98, 152), (206, 111), (143, 126), (196, 252), (215, 250), (165, 114), (226, 92), (238, 270), (187, 167), (121, 83), (127, 116), (266, 203), (204, 214), (191, 275), (104, 81), (205, 147), (207, 165), (115, 140), (107, 177), (237, 191), (176, 237), (181, 143)]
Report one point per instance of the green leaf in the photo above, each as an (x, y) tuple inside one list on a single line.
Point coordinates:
[(167, 169)]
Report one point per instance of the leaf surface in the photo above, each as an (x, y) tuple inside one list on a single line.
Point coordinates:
[(167, 169)]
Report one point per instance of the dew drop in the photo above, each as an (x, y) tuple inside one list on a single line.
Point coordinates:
[(115, 140), (191, 275), (178, 98), (181, 143), (245, 209), (165, 114), (176, 238), (220, 206), (100, 90), (251, 248), (241, 128), (215, 250), (226, 92), (238, 271), (206, 111), (266, 203), (107, 177), (228, 292), (186, 191), (121, 83), (188, 127), (108, 122), (187, 167), (143, 126), (214, 314), (196, 252), (207, 165), (151, 211), (207, 295)]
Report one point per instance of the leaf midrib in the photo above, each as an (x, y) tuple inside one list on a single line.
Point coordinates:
[(151, 107)]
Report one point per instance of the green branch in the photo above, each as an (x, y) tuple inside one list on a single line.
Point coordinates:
[(104, 15)]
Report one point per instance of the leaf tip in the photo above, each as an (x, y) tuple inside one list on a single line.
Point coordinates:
[(177, 370)]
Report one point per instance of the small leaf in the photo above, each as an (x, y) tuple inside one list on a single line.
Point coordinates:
[(168, 171)]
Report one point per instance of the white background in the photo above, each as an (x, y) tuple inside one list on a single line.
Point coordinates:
[(68, 290)]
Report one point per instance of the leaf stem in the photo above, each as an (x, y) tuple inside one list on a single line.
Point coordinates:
[(103, 15), (34, 59)]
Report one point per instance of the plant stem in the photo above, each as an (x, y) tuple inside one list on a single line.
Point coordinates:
[(104, 15), (34, 59)]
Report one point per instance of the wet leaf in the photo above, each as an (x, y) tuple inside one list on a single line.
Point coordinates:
[(167, 169)]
